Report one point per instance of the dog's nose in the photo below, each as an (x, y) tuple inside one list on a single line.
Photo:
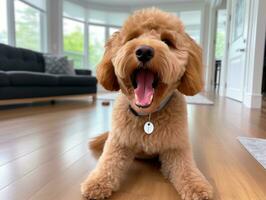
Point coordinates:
[(144, 53)]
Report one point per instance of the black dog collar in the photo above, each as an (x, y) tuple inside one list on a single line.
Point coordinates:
[(162, 105)]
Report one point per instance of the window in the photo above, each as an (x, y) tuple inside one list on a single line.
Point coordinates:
[(3, 22), (74, 41), (192, 22), (29, 22), (112, 30), (96, 44)]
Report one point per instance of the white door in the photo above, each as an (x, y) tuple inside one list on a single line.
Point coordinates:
[(237, 49)]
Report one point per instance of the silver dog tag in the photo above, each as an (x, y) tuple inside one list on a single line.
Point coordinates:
[(148, 127)]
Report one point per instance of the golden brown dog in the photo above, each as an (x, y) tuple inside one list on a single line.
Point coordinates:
[(153, 61)]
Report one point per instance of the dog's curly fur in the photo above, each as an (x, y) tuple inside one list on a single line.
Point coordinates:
[(178, 63)]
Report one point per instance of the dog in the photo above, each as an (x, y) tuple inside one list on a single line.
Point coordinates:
[(154, 63)]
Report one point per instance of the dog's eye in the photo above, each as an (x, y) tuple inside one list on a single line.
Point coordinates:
[(169, 38), (169, 43), (132, 36)]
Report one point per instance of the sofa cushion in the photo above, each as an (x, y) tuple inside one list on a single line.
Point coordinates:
[(20, 78), (77, 80), (4, 81), (18, 59), (11, 92)]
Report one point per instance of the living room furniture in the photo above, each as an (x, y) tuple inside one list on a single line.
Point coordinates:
[(23, 79)]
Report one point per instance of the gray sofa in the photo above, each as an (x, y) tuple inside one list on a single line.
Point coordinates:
[(22, 75)]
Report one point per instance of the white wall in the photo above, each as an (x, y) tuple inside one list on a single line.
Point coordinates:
[(222, 86), (211, 27), (209, 48)]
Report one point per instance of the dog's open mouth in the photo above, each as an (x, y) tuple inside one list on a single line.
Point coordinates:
[(144, 82)]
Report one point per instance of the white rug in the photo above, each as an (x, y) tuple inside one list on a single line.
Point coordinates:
[(256, 147), (197, 99)]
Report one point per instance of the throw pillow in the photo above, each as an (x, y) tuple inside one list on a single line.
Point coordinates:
[(58, 65)]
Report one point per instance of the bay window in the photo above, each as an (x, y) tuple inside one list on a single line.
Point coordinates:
[(86, 30)]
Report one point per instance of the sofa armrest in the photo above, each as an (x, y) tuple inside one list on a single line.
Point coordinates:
[(83, 72)]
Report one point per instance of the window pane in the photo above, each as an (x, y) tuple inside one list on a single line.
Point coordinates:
[(28, 26), (74, 41), (112, 30), (96, 45), (238, 19), (3, 22), (192, 22)]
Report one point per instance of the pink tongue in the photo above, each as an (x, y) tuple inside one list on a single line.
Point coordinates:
[(144, 91)]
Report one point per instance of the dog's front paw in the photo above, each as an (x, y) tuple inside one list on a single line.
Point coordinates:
[(93, 189), (196, 191)]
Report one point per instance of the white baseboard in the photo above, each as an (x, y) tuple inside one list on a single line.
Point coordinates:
[(252, 100)]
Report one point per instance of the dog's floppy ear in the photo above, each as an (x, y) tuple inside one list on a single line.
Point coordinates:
[(192, 80), (105, 69)]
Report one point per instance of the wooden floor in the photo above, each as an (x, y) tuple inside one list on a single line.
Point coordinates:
[(44, 154)]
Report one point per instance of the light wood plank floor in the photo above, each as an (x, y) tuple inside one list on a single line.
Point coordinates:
[(44, 154)]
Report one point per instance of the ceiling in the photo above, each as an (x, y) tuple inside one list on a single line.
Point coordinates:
[(138, 2)]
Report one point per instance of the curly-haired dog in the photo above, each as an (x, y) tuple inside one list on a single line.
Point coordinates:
[(153, 61)]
